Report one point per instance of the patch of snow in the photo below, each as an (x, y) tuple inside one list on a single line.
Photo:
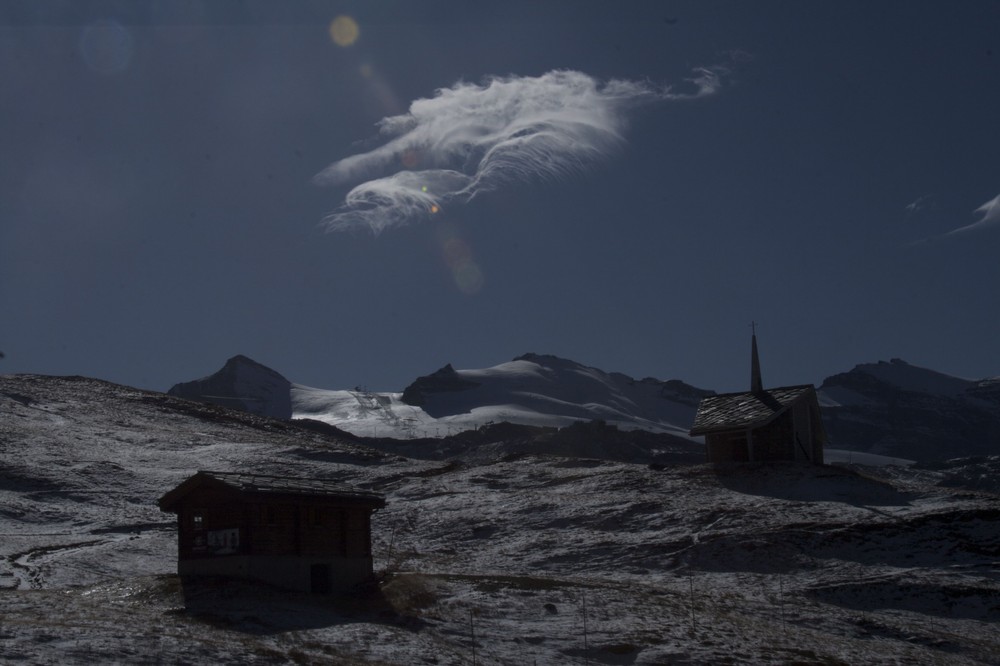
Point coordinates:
[(531, 390), (861, 458), (839, 396)]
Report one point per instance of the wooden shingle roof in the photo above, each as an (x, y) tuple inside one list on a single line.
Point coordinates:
[(265, 484), (750, 409)]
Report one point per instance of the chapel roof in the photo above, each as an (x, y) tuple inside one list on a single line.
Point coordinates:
[(747, 409)]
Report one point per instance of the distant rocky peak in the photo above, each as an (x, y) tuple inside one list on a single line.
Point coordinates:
[(531, 356), (240, 358), (443, 380), (548, 360), (901, 375), (242, 383), (678, 391), (240, 362)]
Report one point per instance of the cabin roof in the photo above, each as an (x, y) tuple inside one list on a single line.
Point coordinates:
[(748, 409), (265, 484)]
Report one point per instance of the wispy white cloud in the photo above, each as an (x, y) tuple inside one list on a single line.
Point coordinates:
[(990, 217), (918, 205), (472, 138)]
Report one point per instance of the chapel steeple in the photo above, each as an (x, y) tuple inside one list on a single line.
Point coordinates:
[(756, 385)]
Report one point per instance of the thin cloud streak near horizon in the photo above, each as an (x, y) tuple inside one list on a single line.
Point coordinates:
[(471, 138)]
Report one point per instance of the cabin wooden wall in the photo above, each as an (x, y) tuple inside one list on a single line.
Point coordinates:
[(278, 526), (209, 510), (332, 529)]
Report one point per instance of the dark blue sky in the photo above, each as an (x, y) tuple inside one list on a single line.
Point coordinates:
[(158, 212)]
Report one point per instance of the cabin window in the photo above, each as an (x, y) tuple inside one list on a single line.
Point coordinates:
[(198, 527)]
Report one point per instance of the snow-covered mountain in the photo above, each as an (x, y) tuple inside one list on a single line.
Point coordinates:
[(890, 408), (520, 558), (536, 390)]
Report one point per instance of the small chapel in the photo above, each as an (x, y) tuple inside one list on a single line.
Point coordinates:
[(782, 423)]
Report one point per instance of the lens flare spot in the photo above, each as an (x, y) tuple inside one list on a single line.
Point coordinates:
[(468, 278), (344, 31), (460, 259), (435, 208), (423, 188), (106, 47), (410, 158), (456, 252)]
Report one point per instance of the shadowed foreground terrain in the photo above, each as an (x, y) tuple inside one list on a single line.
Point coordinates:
[(521, 559)]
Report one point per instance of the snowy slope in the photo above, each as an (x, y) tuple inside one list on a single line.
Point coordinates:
[(831, 456), (548, 560)]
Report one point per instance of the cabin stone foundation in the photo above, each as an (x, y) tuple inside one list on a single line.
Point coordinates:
[(301, 574)]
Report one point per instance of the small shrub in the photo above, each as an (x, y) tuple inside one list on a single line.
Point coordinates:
[(408, 593)]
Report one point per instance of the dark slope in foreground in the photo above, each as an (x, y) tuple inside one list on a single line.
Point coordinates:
[(674, 564)]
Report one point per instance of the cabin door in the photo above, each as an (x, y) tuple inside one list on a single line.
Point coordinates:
[(319, 579)]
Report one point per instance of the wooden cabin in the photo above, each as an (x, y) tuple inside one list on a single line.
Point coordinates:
[(761, 424), (301, 534)]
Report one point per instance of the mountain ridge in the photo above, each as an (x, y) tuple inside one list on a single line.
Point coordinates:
[(889, 408)]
